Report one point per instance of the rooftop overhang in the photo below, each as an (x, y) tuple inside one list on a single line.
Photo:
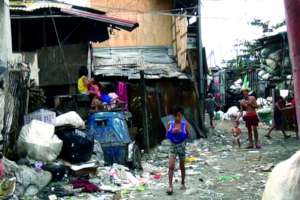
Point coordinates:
[(47, 23)]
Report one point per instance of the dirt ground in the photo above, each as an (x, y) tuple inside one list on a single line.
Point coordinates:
[(221, 171)]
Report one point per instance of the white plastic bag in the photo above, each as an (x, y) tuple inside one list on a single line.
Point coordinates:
[(69, 118), (232, 112), (38, 141), (284, 181)]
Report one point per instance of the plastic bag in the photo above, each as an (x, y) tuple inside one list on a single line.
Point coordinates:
[(77, 145), (43, 115), (58, 171), (98, 150), (69, 118), (38, 141)]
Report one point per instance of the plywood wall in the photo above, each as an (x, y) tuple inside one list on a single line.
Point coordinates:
[(153, 29), (179, 35)]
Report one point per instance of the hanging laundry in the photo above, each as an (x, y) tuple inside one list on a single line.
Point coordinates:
[(122, 92)]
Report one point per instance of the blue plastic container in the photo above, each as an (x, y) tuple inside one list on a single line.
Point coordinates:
[(110, 129)]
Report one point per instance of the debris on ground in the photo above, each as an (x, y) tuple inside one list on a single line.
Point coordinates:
[(75, 165)]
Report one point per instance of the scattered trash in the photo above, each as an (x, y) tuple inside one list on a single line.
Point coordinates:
[(268, 167), (157, 176), (191, 159), (229, 178), (253, 155), (52, 197), (85, 185), (38, 165), (242, 189), (7, 187), (26, 176), (140, 188)]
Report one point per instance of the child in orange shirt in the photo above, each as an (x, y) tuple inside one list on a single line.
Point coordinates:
[(236, 133)]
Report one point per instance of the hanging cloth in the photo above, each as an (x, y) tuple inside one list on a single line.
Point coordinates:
[(122, 93)]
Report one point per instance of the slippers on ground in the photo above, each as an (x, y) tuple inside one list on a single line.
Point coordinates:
[(258, 146), (287, 136), (183, 187), (170, 191), (269, 137)]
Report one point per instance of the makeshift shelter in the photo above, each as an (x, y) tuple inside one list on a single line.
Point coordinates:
[(155, 84), (57, 23)]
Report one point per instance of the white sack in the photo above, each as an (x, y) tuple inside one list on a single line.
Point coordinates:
[(284, 181), (69, 118), (232, 112), (38, 141)]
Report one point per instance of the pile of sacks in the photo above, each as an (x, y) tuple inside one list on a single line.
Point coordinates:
[(43, 139), (37, 139)]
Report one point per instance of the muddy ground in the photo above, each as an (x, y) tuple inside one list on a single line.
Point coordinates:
[(219, 171)]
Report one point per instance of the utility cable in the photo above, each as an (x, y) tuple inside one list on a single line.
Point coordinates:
[(59, 43)]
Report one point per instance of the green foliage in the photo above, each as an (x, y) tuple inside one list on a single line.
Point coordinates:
[(248, 52), (266, 26)]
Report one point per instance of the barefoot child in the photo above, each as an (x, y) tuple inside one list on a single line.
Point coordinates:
[(236, 132)]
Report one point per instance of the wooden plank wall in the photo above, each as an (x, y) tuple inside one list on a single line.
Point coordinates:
[(153, 29), (179, 35)]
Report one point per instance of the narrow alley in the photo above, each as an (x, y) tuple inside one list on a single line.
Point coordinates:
[(149, 100), (218, 171)]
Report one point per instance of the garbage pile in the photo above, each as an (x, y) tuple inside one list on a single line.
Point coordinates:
[(58, 157), (274, 58)]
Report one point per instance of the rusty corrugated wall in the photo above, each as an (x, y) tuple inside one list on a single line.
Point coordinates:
[(14, 90)]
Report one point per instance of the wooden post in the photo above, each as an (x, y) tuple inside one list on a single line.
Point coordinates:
[(158, 101), (292, 8), (201, 71), (145, 113)]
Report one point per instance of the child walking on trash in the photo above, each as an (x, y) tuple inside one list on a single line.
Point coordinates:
[(177, 133)]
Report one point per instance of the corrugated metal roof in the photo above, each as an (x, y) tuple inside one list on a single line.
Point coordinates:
[(72, 10), (156, 62), (124, 24), (35, 5)]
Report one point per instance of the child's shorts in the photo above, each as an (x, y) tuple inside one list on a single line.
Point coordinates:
[(177, 150)]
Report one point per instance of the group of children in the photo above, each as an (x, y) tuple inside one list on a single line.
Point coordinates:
[(99, 99)]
